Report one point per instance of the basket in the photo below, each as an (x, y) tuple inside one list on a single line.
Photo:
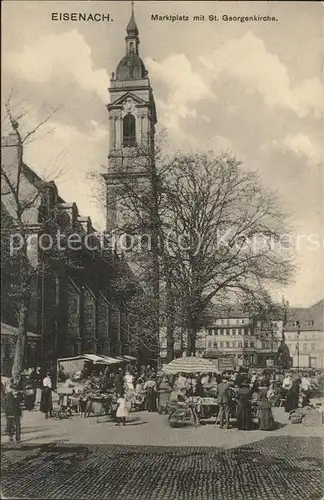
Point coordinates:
[(313, 418), (296, 416)]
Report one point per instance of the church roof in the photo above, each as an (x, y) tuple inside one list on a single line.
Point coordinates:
[(131, 67)]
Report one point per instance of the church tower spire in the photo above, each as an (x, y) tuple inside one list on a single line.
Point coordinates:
[(132, 40), (132, 120), (131, 66)]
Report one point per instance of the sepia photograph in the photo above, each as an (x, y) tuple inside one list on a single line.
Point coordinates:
[(162, 250)]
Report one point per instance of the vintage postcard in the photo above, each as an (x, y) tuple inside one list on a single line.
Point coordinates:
[(162, 250)]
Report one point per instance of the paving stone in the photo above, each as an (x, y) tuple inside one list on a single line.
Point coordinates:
[(278, 467)]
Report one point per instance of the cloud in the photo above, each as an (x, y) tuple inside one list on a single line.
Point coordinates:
[(185, 88), (248, 60), (302, 146), (310, 97), (62, 56), (67, 155)]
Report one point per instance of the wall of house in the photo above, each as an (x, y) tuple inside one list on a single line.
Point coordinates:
[(309, 345)]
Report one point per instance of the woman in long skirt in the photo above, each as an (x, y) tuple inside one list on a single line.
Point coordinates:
[(164, 393), (266, 421), (292, 398), (244, 409)]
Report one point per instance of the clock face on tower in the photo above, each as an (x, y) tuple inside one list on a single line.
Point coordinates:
[(128, 105)]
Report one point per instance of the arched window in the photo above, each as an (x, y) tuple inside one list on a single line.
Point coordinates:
[(129, 130)]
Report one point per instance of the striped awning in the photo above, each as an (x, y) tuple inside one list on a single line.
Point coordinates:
[(190, 365)]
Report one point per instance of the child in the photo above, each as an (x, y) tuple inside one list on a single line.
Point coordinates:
[(122, 410)]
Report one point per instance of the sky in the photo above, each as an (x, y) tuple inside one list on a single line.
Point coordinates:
[(253, 89)]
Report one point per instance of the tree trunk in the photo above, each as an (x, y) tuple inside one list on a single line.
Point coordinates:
[(155, 232), (170, 341), (170, 320), (18, 364), (192, 334)]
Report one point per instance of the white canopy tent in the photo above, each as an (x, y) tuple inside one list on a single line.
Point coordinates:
[(189, 365)]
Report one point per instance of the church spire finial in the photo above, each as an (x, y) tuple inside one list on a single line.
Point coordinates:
[(132, 30)]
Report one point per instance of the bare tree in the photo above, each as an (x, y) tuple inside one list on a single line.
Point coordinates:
[(224, 234), (219, 233), (19, 200)]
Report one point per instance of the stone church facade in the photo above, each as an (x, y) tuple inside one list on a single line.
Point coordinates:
[(73, 307)]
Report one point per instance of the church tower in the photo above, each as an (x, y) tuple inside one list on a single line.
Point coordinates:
[(132, 119)]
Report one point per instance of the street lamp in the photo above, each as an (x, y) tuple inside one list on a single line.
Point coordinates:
[(298, 335), (285, 305)]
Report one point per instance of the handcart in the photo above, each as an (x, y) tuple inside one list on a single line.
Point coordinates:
[(100, 404), (208, 408), (140, 401), (183, 414)]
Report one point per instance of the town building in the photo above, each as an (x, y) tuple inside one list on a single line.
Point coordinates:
[(250, 341), (305, 336), (234, 333)]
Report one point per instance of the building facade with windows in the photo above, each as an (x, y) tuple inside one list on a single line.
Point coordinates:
[(305, 336), (233, 332)]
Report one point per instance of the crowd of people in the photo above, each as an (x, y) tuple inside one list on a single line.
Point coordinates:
[(236, 393)]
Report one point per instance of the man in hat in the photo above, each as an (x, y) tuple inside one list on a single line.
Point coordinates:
[(223, 400), (13, 401)]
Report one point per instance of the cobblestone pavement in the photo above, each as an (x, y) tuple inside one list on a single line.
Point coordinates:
[(149, 429), (276, 467)]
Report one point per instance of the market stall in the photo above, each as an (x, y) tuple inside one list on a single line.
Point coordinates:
[(82, 383), (195, 409)]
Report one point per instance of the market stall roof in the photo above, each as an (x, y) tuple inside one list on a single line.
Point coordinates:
[(126, 358), (94, 358), (189, 365), (110, 360), (12, 330), (130, 358)]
